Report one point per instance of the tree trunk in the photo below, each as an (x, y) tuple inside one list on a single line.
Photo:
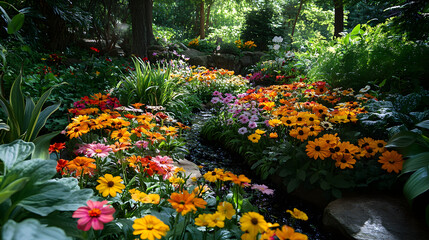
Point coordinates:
[(296, 18), (149, 18), (208, 17), (202, 25), (139, 31), (339, 18)]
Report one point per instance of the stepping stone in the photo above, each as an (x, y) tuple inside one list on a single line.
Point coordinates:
[(190, 168), (374, 217)]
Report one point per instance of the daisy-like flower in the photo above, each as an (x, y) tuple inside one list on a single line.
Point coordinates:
[(263, 189), (94, 215), (300, 133), (288, 233), (150, 227), (297, 214), (317, 149), (239, 180), (327, 125), (109, 185), (216, 220), (345, 161), (253, 223), (254, 137), (226, 209), (252, 125), (82, 165), (98, 150), (213, 176), (379, 146), (122, 135), (202, 220), (61, 164), (185, 202), (274, 135), (56, 147), (259, 131), (392, 161)]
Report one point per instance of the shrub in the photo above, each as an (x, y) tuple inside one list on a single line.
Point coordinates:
[(258, 27)]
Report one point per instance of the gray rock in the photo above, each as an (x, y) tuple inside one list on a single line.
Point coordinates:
[(190, 168), (374, 217), (191, 53)]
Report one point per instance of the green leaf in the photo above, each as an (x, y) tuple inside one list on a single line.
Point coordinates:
[(301, 174), (4, 126), (16, 23), (31, 229), (61, 194), (16, 100), (12, 188), (324, 185), (415, 162), (424, 124), (42, 145), (15, 152), (292, 185), (417, 184), (314, 177), (402, 139)]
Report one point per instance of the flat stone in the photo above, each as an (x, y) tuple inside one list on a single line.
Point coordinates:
[(374, 217), (190, 168)]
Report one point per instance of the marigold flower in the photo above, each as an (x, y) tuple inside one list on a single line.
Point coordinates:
[(253, 223), (392, 161), (150, 227), (94, 215), (109, 185)]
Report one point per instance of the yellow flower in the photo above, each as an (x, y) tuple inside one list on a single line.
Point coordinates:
[(288, 233), (226, 209), (216, 220), (213, 176), (122, 135), (274, 135), (110, 185), (297, 214), (150, 227), (151, 198), (202, 220), (253, 223), (254, 137), (259, 131)]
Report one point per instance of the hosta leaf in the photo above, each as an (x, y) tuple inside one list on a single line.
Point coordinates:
[(15, 152), (31, 229), (417, 184), (415, 162)]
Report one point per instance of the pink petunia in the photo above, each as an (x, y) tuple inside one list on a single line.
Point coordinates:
[(94, 215)]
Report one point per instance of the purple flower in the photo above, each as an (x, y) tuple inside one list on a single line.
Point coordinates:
[(97, 150), (242, 130), (253, 125), (243, 119), (263, 189), (141, 144), (216, 93), (254, 118), (215, 100), (154, 54)]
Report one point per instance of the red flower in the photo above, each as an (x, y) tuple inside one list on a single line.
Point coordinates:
[(56, 147), (61, 164), (94, 49), (145, 59), (108, 59)]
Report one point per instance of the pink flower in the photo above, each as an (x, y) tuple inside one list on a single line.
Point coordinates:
[(93, 215), (142, 144), (263, 189), (97, 150)]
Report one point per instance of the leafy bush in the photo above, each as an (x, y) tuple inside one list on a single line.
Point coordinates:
[(258, 26), (370, 55), (229, 48)]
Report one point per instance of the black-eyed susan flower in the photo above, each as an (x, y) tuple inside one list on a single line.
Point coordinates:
[(253, 223), (300, 133), (109, 185), (318, 149), (344, 161), (392, 161), (226, 209)]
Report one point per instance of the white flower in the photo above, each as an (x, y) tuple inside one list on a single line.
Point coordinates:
[(280, 60), (276, 47), (277, 39), (289, 54), (365, 89)]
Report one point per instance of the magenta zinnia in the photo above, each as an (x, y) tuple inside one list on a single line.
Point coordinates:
[(97, 150), (94, 215)]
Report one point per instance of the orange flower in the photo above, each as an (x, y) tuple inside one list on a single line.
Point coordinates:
[(118, 146), (392, 161), (300, 133), (185, 202), (122, 135), (81, 165), (56, 147)]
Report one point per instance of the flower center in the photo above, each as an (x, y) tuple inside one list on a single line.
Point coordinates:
[(98, 150), (149, 226), (301, 132), (254, 221), (317, 148), (110, 183), (94, 212), (380, 145)]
